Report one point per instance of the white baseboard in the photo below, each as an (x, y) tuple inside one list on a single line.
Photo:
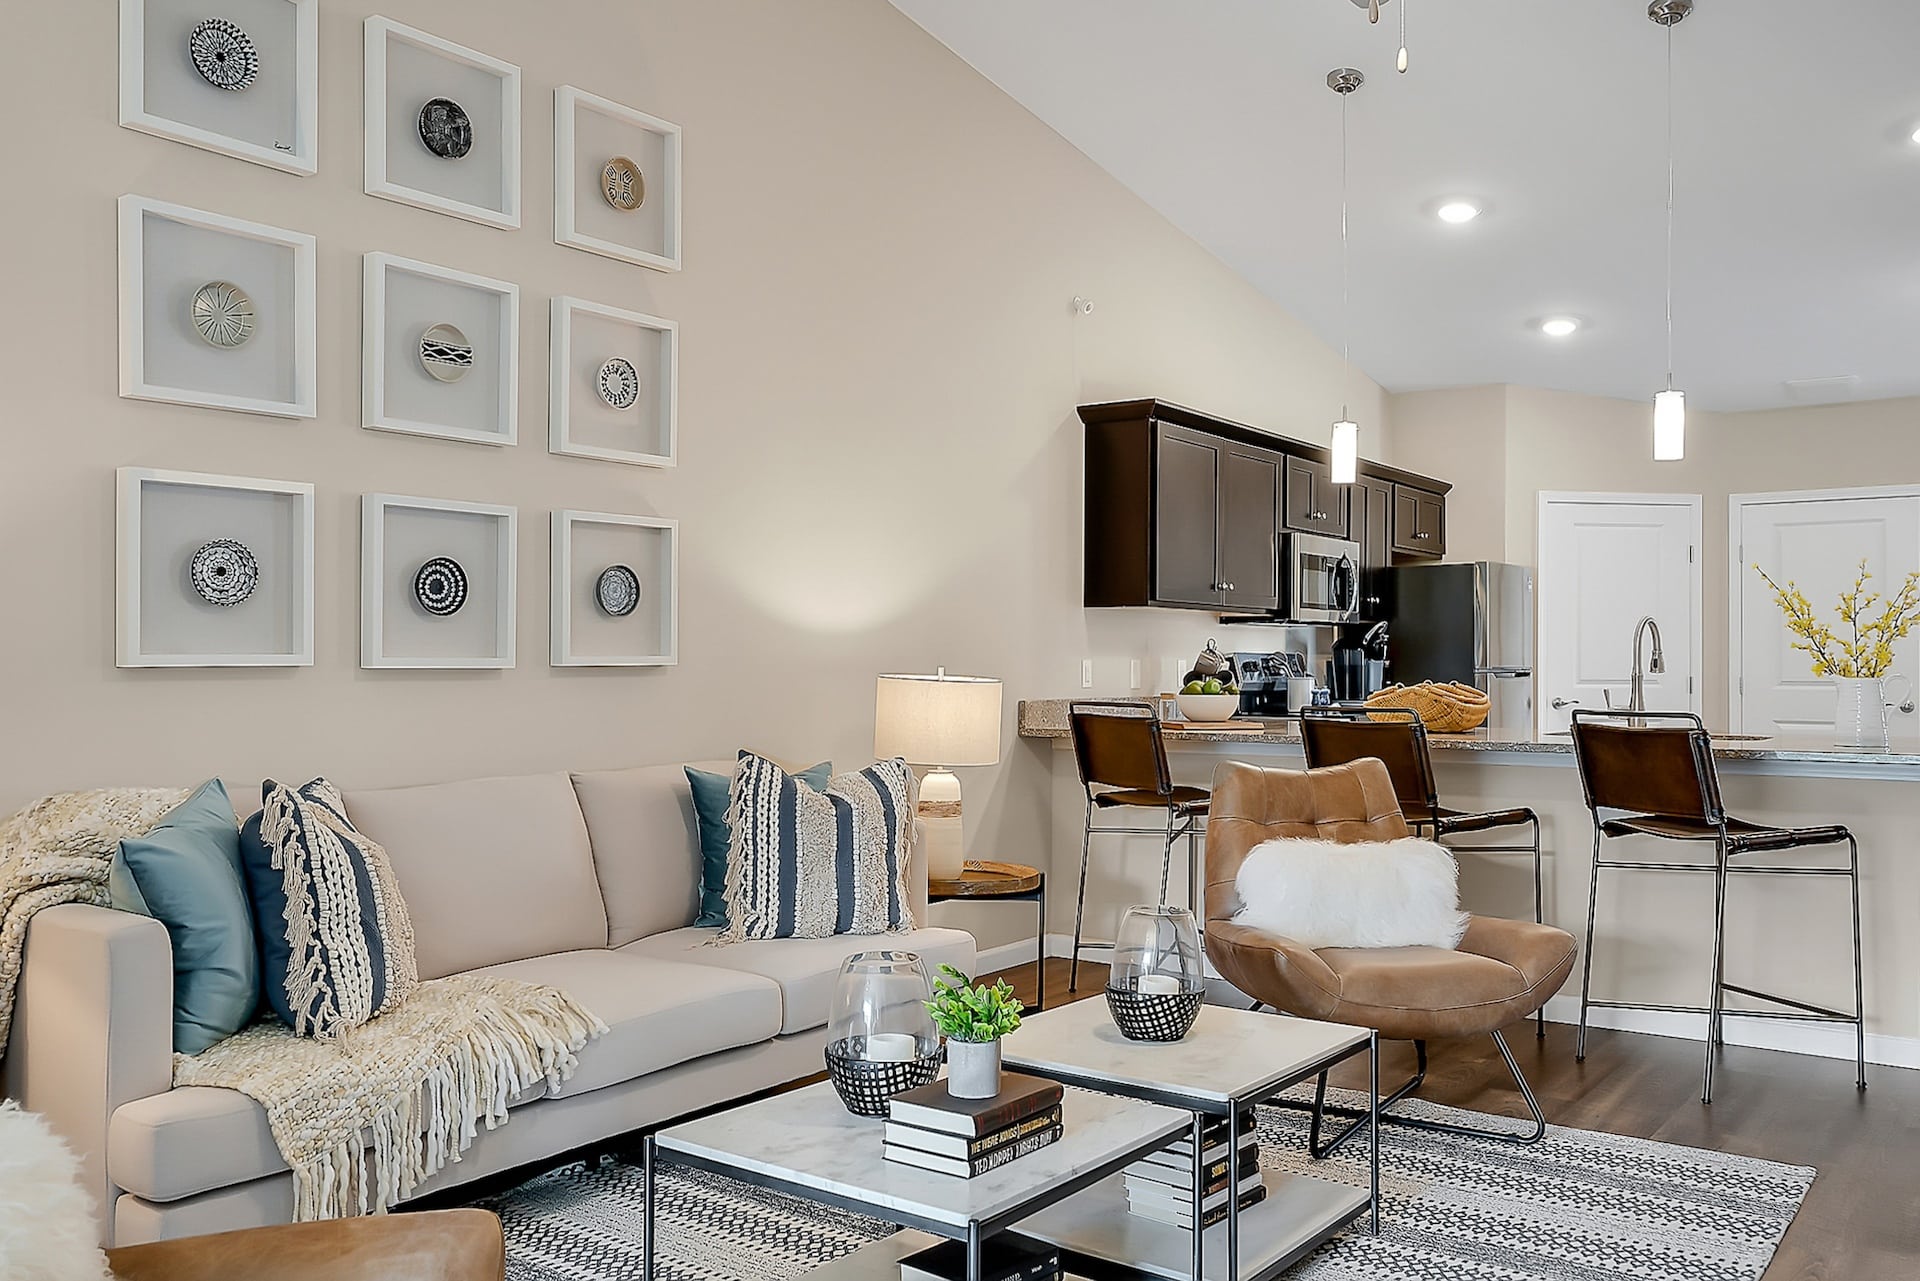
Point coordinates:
[(1825, 1040), (1005, 957)]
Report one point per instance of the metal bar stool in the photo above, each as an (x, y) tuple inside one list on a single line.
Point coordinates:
[(1660, 781), (1119, 748), (1397, 738)]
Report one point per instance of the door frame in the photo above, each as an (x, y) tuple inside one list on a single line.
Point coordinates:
[(1737, 563), (1543, 594)]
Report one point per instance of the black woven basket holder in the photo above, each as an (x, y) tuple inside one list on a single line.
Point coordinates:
[(1153, 1016), (866, 1087)]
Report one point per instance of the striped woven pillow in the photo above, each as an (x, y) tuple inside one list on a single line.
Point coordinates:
[(808, 864), (349, 939)]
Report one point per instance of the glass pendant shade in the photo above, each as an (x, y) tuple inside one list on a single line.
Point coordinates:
[(1669, 426), (1346, 452)]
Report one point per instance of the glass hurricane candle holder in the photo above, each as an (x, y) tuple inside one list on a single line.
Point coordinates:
[(1157, 982), (880, 1038)]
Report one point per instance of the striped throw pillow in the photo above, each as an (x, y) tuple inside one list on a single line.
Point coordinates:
[(810, 864), (349, 940)]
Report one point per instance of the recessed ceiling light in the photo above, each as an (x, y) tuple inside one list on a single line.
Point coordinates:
[(1559, 326), (1457, 211), (1916, 135)]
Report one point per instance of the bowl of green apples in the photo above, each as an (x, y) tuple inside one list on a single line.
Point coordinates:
[(1208, 701)]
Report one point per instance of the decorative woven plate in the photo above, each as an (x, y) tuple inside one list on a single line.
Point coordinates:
[(222, 313), (622, 183), (441, 586), (224, 54), (445, 128), (224, 572), (618, 383), (617, 590), (445, 353)]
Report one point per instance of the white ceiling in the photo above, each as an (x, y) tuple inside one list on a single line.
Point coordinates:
[(1798, 232)]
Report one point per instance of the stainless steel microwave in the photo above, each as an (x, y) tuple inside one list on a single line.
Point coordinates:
[(1322, 579)]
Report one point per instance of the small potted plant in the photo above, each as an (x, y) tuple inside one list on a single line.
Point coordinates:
[(973, 1017)]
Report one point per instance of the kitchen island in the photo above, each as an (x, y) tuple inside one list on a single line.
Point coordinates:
[(1653, 930)]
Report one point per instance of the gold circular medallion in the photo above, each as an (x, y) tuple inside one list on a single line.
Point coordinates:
[(622, 183)]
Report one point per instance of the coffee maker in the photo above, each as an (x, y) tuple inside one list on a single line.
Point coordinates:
[(1263, 681), (1359, 665)]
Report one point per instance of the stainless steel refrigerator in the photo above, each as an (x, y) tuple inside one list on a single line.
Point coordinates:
[(1471, 623)]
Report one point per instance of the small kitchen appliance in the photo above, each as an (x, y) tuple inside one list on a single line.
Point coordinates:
[(1322, 580)]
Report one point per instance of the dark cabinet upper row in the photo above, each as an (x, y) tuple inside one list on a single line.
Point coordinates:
[(1187, 510)]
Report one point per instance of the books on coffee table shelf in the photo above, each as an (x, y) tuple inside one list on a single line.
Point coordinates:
[(1160, 1184), (1004, 1256), (929, 1128)]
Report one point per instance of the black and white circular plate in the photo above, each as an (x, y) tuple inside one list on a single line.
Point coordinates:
[(440, 586), (224, 54), (618, 383), (224, 572), (618, 591), (222, 313), (445, 352), (445, 128)]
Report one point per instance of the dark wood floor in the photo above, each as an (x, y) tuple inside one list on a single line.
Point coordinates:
[(1861, 1222)]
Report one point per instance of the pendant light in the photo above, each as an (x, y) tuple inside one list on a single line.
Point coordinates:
[(1346, 433), (1669, 406)]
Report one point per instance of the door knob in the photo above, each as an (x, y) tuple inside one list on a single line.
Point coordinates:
[(1560, 703)]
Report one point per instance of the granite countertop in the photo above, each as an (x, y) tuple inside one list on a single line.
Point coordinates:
[(1047, 718)]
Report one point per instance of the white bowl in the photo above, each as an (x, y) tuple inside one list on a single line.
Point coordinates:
[(1207, 707)]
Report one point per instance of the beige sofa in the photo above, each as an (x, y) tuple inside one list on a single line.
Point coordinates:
[(585, 881)]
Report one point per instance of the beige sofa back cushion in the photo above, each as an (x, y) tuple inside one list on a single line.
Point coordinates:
[(646, 846), (492, 869)]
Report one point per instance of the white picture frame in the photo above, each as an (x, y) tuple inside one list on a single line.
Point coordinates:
[(490, 195), (396, 392), (395, 529), (651, 545), (161, 359), (652, 242), (163, 97), (591, 428), (161, 517)]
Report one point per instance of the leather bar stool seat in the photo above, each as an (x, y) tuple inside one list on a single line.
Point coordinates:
[(1186, 800)]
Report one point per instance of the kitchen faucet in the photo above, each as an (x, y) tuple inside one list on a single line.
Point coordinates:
[(1637, 699)]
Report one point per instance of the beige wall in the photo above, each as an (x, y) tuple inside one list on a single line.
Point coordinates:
[(880, 464), (1459, 434)]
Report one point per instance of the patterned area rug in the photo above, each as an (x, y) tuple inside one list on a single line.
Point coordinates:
[(1577, 1206)]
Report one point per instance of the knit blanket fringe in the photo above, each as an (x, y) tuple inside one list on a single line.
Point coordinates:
[(363, 1120)]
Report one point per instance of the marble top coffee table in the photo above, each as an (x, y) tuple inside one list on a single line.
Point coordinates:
[(1231, 1060), (806, 1143)]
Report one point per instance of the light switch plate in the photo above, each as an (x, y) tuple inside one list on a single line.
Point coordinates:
[(1086, 673)]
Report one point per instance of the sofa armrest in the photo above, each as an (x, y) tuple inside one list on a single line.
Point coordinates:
[(92, 1028), (439, 1245), (1276, 970)]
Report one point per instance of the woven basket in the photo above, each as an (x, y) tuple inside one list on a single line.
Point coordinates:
[(1451, 708), (868, 1086)]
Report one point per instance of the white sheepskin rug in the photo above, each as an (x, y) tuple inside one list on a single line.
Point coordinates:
[(47, 1231), (1403, 893)]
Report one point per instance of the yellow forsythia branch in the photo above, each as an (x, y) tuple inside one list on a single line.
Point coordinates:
[(1869, 653)]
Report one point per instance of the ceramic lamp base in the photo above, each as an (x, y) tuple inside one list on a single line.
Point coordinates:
[(939, 815)]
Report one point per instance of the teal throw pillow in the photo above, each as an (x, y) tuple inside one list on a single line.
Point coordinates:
[(186, 874), (711, 792)]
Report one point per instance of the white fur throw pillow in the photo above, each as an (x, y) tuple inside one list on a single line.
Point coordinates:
[(47, 1232), (1402, 893)]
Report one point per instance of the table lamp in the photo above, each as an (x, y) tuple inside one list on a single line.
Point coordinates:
[(939, 721)]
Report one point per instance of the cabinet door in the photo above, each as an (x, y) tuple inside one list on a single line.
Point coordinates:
[(1419, 522), (1315, 505), (1250, 483), (1371, 516), (1186, 518)]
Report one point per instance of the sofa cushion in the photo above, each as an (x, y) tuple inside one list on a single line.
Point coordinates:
[(658, 1012), (646, 847), (805, 969), (492, 870)]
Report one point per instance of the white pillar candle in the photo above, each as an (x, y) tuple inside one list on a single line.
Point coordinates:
[(891, 1047), (1157, 985)]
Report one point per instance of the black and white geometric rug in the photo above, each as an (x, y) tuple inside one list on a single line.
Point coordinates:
[(1577, 1206)]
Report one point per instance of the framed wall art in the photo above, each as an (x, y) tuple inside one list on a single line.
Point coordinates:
[(213, 571), (437, 583), (216, 311), (615, 590), (442, 125), (440, 352), (242, 79), (616, 180), (614, 384)]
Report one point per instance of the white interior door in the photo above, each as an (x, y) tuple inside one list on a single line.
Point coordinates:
[(1606, 562), (1818, 541)]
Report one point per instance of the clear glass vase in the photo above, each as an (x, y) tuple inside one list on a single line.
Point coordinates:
[(880, 1038), (1158, 980)]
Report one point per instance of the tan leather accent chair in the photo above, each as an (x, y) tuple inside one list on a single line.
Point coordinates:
[(1502, 971), (440, 1245)]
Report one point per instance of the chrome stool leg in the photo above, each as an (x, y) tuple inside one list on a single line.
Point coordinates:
[(1586, 954), (1166, 853), (1080, 906), (1859, 986), (1716, 999), (1539, 918)]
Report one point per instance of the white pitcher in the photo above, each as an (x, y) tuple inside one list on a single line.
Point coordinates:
[(1860, 716)]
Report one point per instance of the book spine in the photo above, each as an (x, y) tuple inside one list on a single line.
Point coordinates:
[(1013, 1151), (1009, 1114), (1014, 1133)]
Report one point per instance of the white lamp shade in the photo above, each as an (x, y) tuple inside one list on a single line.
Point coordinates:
[(1346, 452), (1669, 426), (938, 720)]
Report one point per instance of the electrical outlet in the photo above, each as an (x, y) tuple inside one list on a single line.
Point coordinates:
[(1086, 673), (1133, 674)]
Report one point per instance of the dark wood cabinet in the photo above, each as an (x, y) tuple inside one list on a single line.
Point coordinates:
[(1419, 522), (1370, 523), (1250, 487), (1186, 533), (1315, 505)]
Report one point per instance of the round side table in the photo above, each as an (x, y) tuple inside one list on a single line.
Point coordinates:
[(981, 880)]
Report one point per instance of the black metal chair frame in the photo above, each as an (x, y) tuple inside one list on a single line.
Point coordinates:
[(1442, 823), (1728, 846), (1176, 827)]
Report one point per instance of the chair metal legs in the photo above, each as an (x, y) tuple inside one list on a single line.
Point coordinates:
[(1189, 826), (1586, 952), (1859, 983), (1080, 906), (1717, 995), (1539, 894)]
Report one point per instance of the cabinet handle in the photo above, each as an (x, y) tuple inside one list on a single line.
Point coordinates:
[(1316, 515), (1423, 535)]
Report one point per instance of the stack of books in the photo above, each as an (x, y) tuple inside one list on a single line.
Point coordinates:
[(1160, 1185), (931, 1129)]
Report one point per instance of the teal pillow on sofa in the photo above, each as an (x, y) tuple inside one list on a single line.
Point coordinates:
[(711, 793), (186, 874)]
